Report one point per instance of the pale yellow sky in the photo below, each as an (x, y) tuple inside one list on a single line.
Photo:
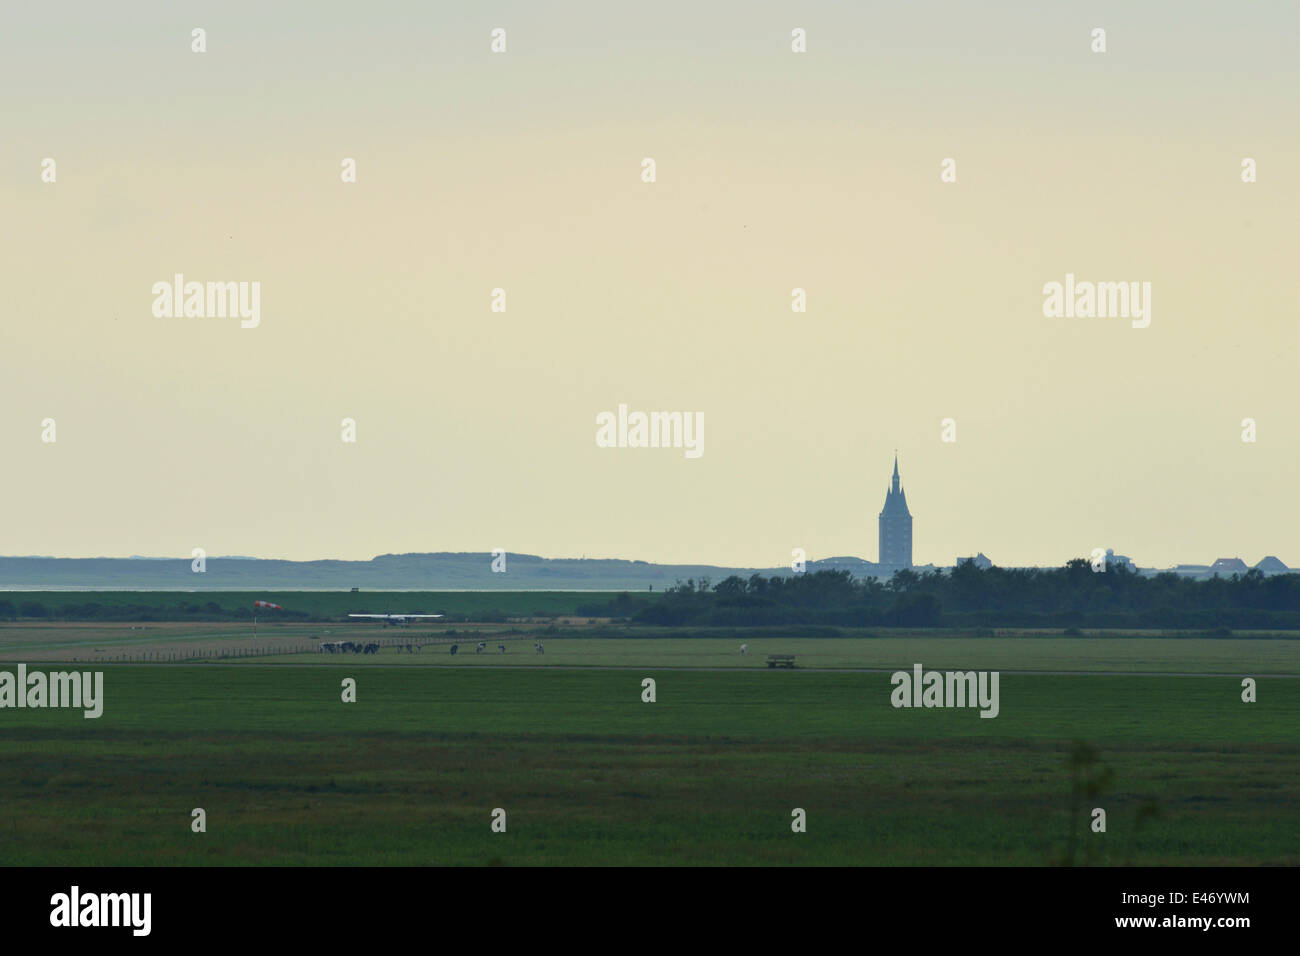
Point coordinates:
[(775, 170)]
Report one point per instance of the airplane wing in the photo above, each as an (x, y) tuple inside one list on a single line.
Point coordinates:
[(386, 617)]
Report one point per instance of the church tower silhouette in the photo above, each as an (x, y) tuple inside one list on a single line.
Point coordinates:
[(895, 526)]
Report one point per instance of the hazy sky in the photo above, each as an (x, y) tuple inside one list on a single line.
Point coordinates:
[(775, 170)]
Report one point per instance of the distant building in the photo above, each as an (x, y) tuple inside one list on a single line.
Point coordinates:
[(1226, 566), (1113, 559), (980, 561), (1272, 565), (895, 526)]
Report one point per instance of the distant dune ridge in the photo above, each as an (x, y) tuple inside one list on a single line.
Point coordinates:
[(432, 571), (443, 570)]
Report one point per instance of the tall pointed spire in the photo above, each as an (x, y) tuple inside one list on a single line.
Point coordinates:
[(895, 525)]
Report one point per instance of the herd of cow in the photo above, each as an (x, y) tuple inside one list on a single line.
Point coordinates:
[(348, 647), (351, 647), (482, 646)]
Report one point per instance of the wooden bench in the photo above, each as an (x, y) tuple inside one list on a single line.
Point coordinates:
[(780, 660)]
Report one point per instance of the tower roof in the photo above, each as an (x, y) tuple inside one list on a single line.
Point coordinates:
[(895, 505), (895, 498)]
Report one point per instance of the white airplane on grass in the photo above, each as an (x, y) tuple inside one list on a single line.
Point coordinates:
[(397, 620)]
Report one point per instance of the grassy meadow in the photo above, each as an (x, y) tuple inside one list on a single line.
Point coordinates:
[(321, 605), (709, 773)]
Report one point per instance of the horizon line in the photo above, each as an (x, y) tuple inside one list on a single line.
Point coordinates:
[(701, 564)]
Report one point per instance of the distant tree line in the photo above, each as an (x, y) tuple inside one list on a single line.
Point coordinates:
[(1072, 596)]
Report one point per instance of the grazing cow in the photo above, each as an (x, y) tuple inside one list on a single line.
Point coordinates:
[(744, 648), (453, 648), (481, 648)]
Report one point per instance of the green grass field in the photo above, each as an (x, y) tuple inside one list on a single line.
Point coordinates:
[(1194, 656), (589, 774), (178, 605), (1029, 651)]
